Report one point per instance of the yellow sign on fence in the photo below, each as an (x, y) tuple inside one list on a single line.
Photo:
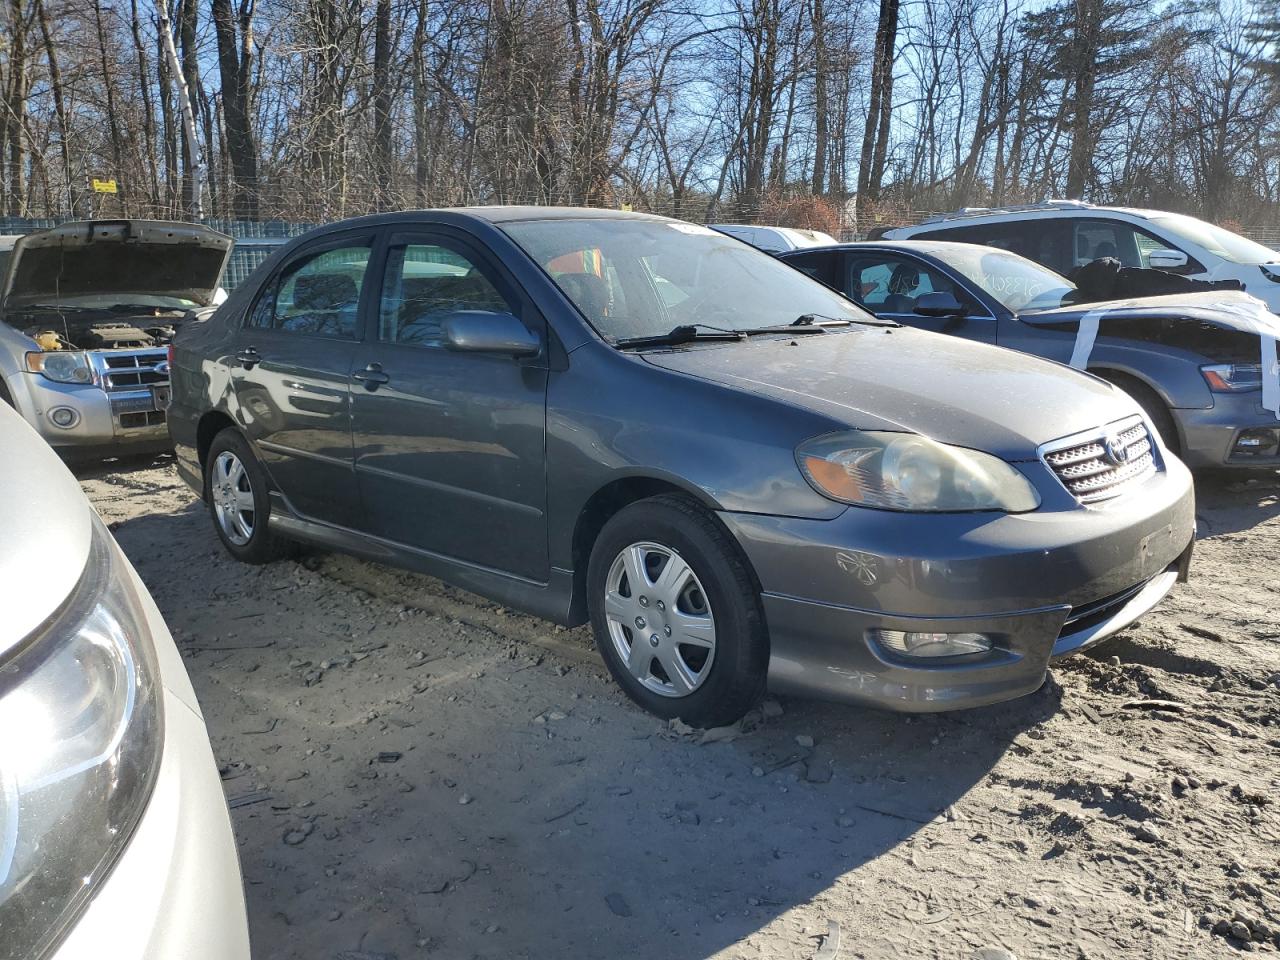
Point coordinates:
[(104, 186)]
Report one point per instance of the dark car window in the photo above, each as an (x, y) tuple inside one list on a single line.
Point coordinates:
[(823, 265), (318, 294), (1048, 241), (423, 284), (1132, 246), (890, 284)]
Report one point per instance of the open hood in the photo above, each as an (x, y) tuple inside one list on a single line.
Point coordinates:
[(116, 258)]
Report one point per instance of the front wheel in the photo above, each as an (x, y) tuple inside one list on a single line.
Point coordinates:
[(236, 490), (676, 614)]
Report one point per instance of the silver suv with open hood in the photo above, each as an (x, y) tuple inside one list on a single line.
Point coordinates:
[(88, 310)]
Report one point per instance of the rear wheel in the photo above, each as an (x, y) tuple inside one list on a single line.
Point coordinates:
[(236, 490), (676, 614), (1152, 405)]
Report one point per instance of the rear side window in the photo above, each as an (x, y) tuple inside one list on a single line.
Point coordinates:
[(317, 294), (1046, 240), (823, 267), (424, 283)]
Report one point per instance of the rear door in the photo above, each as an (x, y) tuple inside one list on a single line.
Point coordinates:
[(450, 446), (291, 371)]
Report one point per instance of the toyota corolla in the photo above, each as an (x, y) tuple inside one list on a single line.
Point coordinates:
[(737, 475)]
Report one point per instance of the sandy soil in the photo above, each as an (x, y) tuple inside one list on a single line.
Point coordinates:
[(415, 772)]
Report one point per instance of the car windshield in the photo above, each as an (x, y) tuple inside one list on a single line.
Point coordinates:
[(643, 278), (1020, 284), (1219, 242)]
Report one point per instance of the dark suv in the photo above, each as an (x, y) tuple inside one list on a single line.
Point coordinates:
[(734, 472)]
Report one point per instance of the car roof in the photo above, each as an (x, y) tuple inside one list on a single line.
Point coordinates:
[(1051, 209), (497, 215), (935, 248)]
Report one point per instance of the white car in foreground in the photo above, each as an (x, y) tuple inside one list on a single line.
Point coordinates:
[(1065, 234), (115, 840)]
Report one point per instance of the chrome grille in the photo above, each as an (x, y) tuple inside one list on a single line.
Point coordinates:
[(128, 370), (1103, 463)]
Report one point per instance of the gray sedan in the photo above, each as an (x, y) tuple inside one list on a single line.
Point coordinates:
[(737, 475)]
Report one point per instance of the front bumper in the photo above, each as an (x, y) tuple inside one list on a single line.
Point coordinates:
[(1041, 584), (175, 890), (121, 419), (1209, 435)]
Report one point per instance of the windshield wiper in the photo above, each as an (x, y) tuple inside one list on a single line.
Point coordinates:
[(55, 307), (685, 333), (152, 308), (818, 320)]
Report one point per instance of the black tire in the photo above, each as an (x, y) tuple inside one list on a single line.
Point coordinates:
[(1152, 405), (735, 674), (260, 545)]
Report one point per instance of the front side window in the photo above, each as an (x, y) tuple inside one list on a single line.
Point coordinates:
[(424, 284), (317, 294), (637, 278), (887, 284)]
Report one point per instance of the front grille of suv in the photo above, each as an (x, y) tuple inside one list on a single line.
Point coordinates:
[(1105, 463), (133, 371)]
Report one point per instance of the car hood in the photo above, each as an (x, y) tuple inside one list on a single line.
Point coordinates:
[(897, 378), (45, 528), (116, 258), (1218, 307)]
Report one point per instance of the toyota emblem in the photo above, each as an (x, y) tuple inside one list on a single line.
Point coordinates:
[(1117, 449)]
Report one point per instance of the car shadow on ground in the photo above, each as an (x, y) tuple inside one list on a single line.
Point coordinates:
[(531, 810), (1230, 502), (104, 468)]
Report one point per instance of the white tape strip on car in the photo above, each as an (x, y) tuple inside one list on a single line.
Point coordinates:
[(1248, 315)]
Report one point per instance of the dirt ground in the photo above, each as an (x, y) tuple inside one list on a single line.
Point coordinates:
[(415, 772)]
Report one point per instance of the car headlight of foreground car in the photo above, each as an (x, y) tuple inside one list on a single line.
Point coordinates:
[(61, 366), (81, 732), (905, 471)]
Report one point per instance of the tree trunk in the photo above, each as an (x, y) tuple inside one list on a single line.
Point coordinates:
[(382, 104), (875, 133), (59, 108), (821, 133), (235, 68), (1085, 69)]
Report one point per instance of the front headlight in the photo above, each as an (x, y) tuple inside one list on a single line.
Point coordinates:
[(1232, 377), (81, 733), (905, 471), (61, 366)]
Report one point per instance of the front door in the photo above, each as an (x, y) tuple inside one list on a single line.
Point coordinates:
[(450, 446), (290, 374)]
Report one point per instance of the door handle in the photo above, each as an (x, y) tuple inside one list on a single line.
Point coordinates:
[(248, 358), (371, 376)]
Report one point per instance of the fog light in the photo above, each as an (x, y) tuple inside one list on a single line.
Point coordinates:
[(1258, 442), (64, 417), (913, 644)]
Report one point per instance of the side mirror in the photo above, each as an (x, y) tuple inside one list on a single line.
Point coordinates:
[(483, 331), (1166, 259), (942, 304)]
